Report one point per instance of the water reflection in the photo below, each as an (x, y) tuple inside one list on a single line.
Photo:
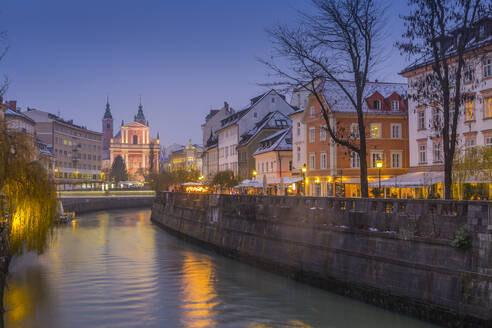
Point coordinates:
[(116, 269), (199, 295)]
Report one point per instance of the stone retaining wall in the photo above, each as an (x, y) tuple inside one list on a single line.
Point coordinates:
[(84, 205), (393, 253)]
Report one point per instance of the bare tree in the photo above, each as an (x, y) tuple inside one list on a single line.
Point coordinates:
[(440, 34), (336, 43), (3, 51)]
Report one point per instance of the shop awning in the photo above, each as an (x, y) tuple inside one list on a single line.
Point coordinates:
[(412, 180), (250, 184), (287, 180)]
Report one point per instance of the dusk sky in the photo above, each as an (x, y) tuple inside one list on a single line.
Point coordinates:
[(183, 57)]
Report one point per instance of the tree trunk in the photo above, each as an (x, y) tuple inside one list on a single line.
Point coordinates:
[(448, 178)]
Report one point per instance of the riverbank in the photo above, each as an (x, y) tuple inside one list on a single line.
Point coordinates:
[(396, 254)]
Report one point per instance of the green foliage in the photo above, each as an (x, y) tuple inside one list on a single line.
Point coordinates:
[(165, 179), (29, 192), (462, 239), (225, 179), (118, 170)]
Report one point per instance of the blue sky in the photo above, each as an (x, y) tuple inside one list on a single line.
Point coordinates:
[(183, 57)]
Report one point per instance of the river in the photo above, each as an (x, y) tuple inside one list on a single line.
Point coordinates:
[(117, 269)]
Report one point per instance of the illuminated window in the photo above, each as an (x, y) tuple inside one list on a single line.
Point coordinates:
[(487, 110), (469, 114), (375, 130)]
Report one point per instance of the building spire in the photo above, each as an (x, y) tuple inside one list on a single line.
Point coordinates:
[(107, 113), (140, 117)]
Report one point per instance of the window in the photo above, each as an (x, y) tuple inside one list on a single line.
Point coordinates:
[(468, 69), (266, 166), (226, 151), (488, 141), (107, 125), (135, 140), (312, 161), (422, 154), (470, 142), (437, 151), (273, 100), (298, 128), (298, 154), (271, 166), (354, 130), (376, 104), (421, 120), (396, 131), (311, 111), (396, 160), (487, 67), (376, 157), (322, 161), (395, 105), (311, 134), (255, 115), (263, 167), (322, 133), (487, 107), (469, 114), (354, 160), (375, 130)]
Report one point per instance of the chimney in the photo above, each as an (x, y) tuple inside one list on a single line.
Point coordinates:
[(226, 105)]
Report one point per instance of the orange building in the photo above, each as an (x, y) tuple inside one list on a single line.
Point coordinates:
[(134, 144), (334, 170)]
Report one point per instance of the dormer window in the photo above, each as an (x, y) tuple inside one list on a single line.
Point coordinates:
[(395, 105), (273, 100), (376, 105), (255, 115)]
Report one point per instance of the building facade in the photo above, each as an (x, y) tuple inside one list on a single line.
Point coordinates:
[(475, 119), (333, 170), (273, 157), (76, 150), (186, 157), (298, 141), (139, 151), (237, 124), (210, 161)]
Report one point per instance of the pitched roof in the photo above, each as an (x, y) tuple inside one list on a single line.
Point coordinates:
[(272, 120), (280, 141), (234, 118), (338, 101), (11, 112)]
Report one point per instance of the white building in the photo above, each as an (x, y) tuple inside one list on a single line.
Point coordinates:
[(298, 141), (475, 120), (234, 126), (210, 154)]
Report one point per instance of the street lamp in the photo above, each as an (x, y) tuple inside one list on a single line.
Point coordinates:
[(379, 165), (303, 170), (254, 174)]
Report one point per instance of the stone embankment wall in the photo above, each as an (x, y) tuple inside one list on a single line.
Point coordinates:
[(84, 205), (393, 253)]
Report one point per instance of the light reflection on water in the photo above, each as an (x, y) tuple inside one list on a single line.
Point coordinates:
[(115, 269)]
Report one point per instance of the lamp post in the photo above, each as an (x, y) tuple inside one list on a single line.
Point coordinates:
[(379, 165), (254, 173), (303, 170)]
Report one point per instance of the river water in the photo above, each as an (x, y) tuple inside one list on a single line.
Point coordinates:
[(116, 269)]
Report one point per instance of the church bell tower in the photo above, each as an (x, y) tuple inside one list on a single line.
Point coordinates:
[(107, 127)]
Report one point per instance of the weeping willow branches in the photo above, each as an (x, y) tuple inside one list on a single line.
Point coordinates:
[(30, 196)]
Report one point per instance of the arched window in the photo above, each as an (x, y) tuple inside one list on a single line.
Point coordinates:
[(135, 139)]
